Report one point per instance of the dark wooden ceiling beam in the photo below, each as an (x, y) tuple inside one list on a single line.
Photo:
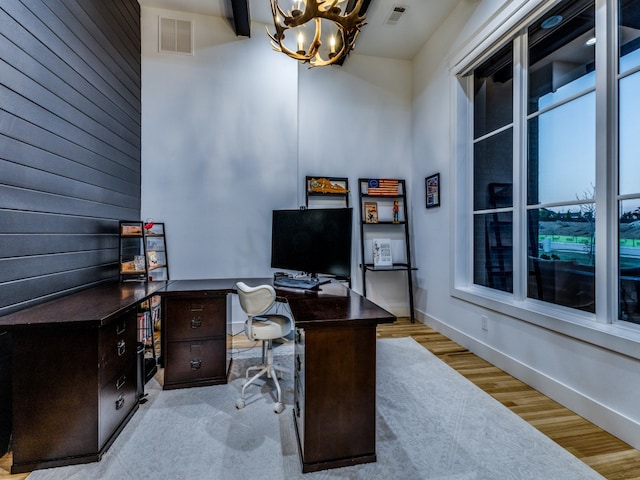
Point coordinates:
[(350, 6), (241, 17)]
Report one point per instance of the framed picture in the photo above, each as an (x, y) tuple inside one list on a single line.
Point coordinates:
[(370, 212), (432, 185)]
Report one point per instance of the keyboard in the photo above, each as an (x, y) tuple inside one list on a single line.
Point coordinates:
[(301, 283)]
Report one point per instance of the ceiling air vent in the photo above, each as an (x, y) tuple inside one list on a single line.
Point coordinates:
[(396, 12), (175, 36)]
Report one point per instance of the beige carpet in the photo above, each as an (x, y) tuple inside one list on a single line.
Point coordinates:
[(432, 423)]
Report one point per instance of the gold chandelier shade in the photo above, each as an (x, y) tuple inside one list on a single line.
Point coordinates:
[(312, 16)]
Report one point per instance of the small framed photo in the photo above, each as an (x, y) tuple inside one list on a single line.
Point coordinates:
[(432, 186), (370, 212)]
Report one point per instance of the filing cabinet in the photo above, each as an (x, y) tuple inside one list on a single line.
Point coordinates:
[(195, 339), (78, 391)]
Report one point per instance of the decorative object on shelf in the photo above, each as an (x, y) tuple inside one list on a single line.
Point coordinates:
[(432, 186), (382, 253), (324, 185), (382, 187), (371, 212), (396, 213), (322, 50), (138, 263)]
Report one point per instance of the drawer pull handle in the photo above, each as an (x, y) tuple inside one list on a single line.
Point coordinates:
[(196, 322), (120, 402), (121, 347), (196, 364), (197, 308), (120, 382), (120, 328)]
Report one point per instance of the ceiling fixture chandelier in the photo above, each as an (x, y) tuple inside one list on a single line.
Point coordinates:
[(307, 21)]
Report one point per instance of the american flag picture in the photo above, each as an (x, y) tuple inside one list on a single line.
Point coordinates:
[(382, 187)]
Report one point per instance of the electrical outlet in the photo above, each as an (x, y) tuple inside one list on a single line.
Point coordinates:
[(485, 323)]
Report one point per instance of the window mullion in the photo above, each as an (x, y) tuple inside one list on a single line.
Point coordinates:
[(606, 161), (519, 166)]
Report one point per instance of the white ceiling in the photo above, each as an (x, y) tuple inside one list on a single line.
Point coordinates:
[(401, 41)]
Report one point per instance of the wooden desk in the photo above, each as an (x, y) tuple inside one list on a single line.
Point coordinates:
[(74, 367), (74, 374)]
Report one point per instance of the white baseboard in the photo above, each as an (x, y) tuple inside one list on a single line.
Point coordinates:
[(626, 429)]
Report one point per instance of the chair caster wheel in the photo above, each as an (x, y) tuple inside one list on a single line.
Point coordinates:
[(240, 404), (278, 407)]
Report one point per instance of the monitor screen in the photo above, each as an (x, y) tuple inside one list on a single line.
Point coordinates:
[(313, 241)]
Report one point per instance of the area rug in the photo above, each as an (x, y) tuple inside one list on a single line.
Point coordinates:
[(432, 423)]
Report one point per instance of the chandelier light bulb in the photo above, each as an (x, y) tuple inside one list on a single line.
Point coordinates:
[(310, 15)]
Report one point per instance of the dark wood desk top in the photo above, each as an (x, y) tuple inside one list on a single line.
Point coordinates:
[(94, 306), (331, 303)]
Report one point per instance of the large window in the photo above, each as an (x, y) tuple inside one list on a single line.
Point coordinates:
[(629, 161), (542, 161), (561, 156)]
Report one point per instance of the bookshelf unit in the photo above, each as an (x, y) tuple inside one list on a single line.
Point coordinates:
[(390, 221), (143, 252)]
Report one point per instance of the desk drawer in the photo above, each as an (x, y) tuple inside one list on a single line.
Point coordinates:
[(117, 398), (196, 363), (117, 345), (189, 318)]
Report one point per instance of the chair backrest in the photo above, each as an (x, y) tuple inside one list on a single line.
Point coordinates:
[(255, 300)]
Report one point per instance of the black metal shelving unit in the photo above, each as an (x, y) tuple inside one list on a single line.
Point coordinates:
[(367, 228)]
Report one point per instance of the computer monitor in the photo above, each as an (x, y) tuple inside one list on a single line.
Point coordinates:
[(312, 241)]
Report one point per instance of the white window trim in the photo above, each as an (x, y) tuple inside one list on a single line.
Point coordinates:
[(620, 337)]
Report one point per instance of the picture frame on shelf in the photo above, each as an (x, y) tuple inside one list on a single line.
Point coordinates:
[(153, 259), (382, 253), (432, 190), (370, 212)]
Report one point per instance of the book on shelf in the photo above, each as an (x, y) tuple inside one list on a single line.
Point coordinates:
[(382, 253), (371, 212)]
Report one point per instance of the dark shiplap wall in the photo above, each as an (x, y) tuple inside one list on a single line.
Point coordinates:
[(69, 143)]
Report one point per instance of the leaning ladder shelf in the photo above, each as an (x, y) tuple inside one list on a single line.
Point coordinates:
[(318, 197), (383, 194), (143, 252)]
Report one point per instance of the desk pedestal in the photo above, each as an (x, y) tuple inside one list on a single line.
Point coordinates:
[(335, 395)]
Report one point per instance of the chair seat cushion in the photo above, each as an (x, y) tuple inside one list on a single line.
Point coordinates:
[(268, 327)]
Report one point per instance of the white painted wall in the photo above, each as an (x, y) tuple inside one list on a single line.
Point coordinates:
[(598, 383), (230, 133)]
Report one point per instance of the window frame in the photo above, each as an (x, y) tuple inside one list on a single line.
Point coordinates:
[(602, 328)]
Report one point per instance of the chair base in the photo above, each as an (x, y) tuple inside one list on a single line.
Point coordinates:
[(272, 371)]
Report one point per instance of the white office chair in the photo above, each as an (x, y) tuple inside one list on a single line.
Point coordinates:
[(255, 301)]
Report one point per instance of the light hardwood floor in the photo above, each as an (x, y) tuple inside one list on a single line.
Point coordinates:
[(612, 458)]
